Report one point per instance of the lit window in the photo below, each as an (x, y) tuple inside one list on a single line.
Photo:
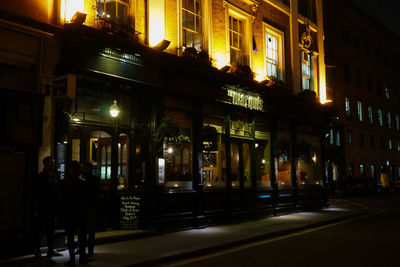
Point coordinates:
[(380, 117), (397, 122), (274, 52), (192, 24), (362, 173), (307, 71), (389, 120), (389, 116), (116, 10), (236, 40), (398, 145), (347, 107), (359, 111), (337, 138), (370, 114), (372, 170), (390, 144)]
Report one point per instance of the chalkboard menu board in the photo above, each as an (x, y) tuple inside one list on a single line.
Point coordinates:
[(129, 210)]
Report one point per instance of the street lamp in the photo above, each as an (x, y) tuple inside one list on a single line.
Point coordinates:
[(114, 109)]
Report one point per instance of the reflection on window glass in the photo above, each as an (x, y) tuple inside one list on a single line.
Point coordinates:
[(116, 10), (263, 163), (178, 160), (123, 143), (284, 178), (246, 165), (214, 163)]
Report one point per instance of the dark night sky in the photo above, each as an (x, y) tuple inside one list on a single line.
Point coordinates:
[(387, 12)]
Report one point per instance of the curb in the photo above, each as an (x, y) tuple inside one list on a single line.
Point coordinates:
[(213, 249)]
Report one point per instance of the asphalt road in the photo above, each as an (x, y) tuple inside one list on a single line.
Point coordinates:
[(371, 240)]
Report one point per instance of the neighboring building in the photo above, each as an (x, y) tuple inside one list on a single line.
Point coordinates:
[(221, 113), (362, 61)]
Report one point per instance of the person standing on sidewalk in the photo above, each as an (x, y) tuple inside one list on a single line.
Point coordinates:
[(93, 198), (46, 195), (73, 194)]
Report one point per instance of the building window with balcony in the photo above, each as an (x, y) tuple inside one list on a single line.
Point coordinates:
[(380, 117), (359, 111), (116, 10), (307, 71), (347, 107), (389, 119), (370, 114), (192, 24)]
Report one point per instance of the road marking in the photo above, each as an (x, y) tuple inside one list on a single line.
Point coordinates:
[(258, 243)]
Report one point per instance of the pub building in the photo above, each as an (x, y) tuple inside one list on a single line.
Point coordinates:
[(190, 145)]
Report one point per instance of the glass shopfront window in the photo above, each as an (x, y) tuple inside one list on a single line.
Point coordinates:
[(123, 166), (283, 163), (262, 153), (308, 159), (214, 152), (177, 144)]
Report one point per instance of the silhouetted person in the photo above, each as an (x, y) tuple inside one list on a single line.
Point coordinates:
[(73, 191), (93, 198), (46, 194)]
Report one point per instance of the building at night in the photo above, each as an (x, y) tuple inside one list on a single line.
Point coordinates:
[(193, 112), (362, 80)]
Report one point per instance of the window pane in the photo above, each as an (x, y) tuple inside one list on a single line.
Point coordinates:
[(235, 170), (246, 165)]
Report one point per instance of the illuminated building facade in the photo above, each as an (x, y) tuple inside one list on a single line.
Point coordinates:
[(362, 80), (223, 112)]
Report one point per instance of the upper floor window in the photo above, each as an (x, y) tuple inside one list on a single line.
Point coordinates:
[(359, 111), (349, 138), (387, 92), (116, 10), (369, 84), (307, 70), (398, 145), (380, 117), (390, 145), (237, 45), (274, 52), (397, 122), (370, 114), (389, 120), (192, 24), (347, 107)]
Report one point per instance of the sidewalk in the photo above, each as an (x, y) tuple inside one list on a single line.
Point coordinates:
[(141, 248)]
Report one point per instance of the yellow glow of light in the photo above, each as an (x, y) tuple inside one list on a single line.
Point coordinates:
[(220, 60), (69, 8), (156, 22), (322, 90), (314, 158), (176, 185)]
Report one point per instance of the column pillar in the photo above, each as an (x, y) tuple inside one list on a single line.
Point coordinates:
[(294, 44)]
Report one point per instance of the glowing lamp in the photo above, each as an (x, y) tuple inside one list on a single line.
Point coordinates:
[(114, 109)]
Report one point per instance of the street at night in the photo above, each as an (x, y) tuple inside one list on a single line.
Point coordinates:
[(199, 133), (369, 240)]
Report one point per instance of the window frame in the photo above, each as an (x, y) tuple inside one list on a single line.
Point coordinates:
[(232, 11), (127, 4), (280, 67)]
